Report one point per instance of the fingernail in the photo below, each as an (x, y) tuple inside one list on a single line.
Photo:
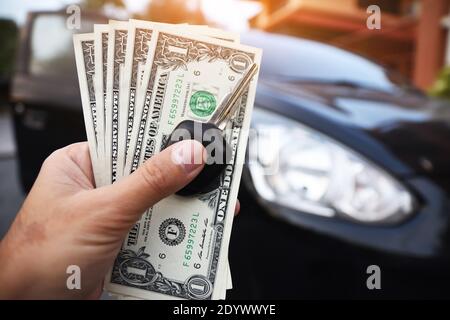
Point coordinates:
[(189, 154)]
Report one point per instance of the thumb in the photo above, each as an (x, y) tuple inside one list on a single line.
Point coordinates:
[(159, 177)]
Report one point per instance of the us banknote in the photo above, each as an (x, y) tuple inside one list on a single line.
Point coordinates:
[(117, 46), (138, 39), (101, 33), (85, 62), (93, 74), (139, 36), (134, 67), (179, 247)]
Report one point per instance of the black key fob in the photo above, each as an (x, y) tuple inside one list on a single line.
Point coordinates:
[(218, 154)]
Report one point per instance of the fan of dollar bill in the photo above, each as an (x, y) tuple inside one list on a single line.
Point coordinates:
[(137, 81)]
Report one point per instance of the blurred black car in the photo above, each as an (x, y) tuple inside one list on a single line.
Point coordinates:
[(350, 167), (9, 36)]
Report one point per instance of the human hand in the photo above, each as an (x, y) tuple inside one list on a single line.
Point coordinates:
[(66, 221)]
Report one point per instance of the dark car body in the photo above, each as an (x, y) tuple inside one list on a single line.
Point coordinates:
[(277, 252), (398, 128), (392, 124), (9, 35)]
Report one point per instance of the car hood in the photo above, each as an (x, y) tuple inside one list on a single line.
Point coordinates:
[(413, 127)]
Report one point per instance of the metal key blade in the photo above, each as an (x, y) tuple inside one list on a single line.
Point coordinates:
[(228, 106)]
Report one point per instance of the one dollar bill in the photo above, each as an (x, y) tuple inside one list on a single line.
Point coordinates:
[(85, 62), (178, 249)]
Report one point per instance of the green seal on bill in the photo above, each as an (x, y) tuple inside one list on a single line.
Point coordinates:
[(202, 103)]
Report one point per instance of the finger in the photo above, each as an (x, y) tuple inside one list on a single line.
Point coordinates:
[(159, 177), (71, 164), (79, 153), (237, 208)]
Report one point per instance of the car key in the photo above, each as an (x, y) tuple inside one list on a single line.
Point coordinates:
[(210, 135)]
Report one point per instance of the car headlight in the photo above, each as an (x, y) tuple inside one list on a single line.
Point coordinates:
[(297, 167)]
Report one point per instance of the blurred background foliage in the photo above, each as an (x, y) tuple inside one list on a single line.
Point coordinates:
[(441, 88)]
